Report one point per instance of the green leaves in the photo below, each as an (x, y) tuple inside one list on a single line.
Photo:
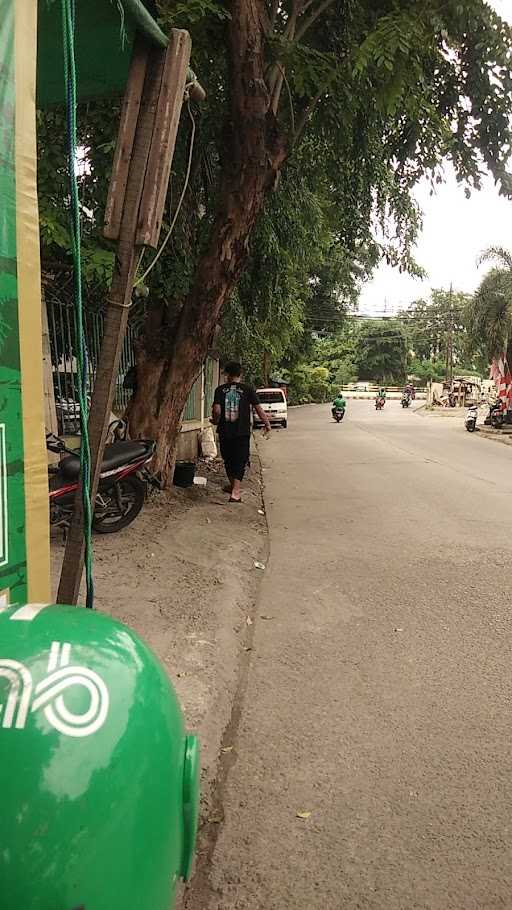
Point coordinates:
[(194, 11), (381, 350), (489, 313), (388, 44)]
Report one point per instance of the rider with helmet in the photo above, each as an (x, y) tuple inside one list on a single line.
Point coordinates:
[(339, 404)]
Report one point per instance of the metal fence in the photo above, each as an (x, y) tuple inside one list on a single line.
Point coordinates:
[(200, 400), (62, 335)]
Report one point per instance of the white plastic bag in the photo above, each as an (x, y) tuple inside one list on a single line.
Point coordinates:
[(208, 444)]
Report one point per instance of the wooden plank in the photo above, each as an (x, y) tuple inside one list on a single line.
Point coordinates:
[(164, 138), (124, 145), (116, 319)]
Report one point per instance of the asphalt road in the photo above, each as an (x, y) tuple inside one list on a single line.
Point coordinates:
[(378, 696)]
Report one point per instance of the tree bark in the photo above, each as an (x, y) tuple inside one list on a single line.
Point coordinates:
[(255, 152)]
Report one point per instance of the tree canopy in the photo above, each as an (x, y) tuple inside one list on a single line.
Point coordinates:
[(489, 312), (381, 350), (321, 117)]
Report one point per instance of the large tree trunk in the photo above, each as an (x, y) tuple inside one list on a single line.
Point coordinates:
[(255, 151)]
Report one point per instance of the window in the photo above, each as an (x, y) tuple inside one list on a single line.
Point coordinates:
[(271, 396)]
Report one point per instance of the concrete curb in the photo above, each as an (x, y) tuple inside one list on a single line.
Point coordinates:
[(451, 413), (494, 436)]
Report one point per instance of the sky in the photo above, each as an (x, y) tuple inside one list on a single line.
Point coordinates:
[(455, 230)]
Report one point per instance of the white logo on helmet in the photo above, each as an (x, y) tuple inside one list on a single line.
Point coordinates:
[(49, 694)]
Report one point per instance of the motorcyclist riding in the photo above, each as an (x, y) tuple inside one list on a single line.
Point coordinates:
[(380, 398), (339, 404)]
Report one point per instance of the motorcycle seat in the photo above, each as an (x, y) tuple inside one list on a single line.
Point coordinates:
[(115, 456)]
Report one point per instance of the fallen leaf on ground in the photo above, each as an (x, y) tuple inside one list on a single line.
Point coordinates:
[(303, 814), (259, 565), (265, 617), (249, 621), (397, 629), (261, 511), (227, 749)]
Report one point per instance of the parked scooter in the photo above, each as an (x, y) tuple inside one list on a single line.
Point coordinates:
[(122, 488), (470, 419)]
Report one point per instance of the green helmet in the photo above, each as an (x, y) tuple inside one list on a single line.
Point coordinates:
[(99, 781)]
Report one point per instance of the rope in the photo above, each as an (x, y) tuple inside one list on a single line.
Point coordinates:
[(178, 209), (68, 33)]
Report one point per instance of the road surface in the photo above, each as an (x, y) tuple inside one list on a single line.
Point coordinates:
[(378, 696)]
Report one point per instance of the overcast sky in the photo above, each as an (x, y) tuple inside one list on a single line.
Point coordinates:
[(455, 230)]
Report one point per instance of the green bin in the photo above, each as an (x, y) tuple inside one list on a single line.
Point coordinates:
[(99, 780)]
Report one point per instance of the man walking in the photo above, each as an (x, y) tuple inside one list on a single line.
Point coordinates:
[(231, 413)]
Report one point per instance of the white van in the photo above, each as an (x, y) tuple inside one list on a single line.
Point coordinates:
[(273, 402)]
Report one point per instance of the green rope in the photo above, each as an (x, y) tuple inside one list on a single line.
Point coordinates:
[(68, 32)]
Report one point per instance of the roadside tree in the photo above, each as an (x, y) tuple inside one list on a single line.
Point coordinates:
[(489, 312), (381, 351), (374, 94)]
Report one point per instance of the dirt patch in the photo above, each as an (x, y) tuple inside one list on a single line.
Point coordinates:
[(183, 577)]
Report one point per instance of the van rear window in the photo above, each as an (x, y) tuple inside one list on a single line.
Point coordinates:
[(271, 397)]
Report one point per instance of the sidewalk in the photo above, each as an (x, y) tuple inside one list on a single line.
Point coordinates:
[(504, 436), (183, 576)]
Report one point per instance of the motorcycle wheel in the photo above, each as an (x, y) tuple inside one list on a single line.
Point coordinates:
[(119, 505)]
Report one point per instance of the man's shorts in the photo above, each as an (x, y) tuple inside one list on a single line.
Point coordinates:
[(235, 452)]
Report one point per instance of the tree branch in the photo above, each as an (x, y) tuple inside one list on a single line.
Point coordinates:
[(275, 83), (307, 23), (275, 99), (289, 32), (306, 113)]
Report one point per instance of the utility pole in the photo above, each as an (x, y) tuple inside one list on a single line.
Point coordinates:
[(449, 341)]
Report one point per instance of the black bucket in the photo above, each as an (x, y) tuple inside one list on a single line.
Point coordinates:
[(184, 473)]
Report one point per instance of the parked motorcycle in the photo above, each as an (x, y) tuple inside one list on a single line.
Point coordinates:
[(122, 487), (470, 419), (379, 403), (338, 414), (497, 416), (406, 400)]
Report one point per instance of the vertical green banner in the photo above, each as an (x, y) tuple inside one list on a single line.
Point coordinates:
[(24, 550), (13, 564)]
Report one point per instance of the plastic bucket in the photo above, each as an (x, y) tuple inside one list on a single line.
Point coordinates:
[(184, 473)]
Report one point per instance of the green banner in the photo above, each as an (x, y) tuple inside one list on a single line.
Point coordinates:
[(13, 562), (24, 536)]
